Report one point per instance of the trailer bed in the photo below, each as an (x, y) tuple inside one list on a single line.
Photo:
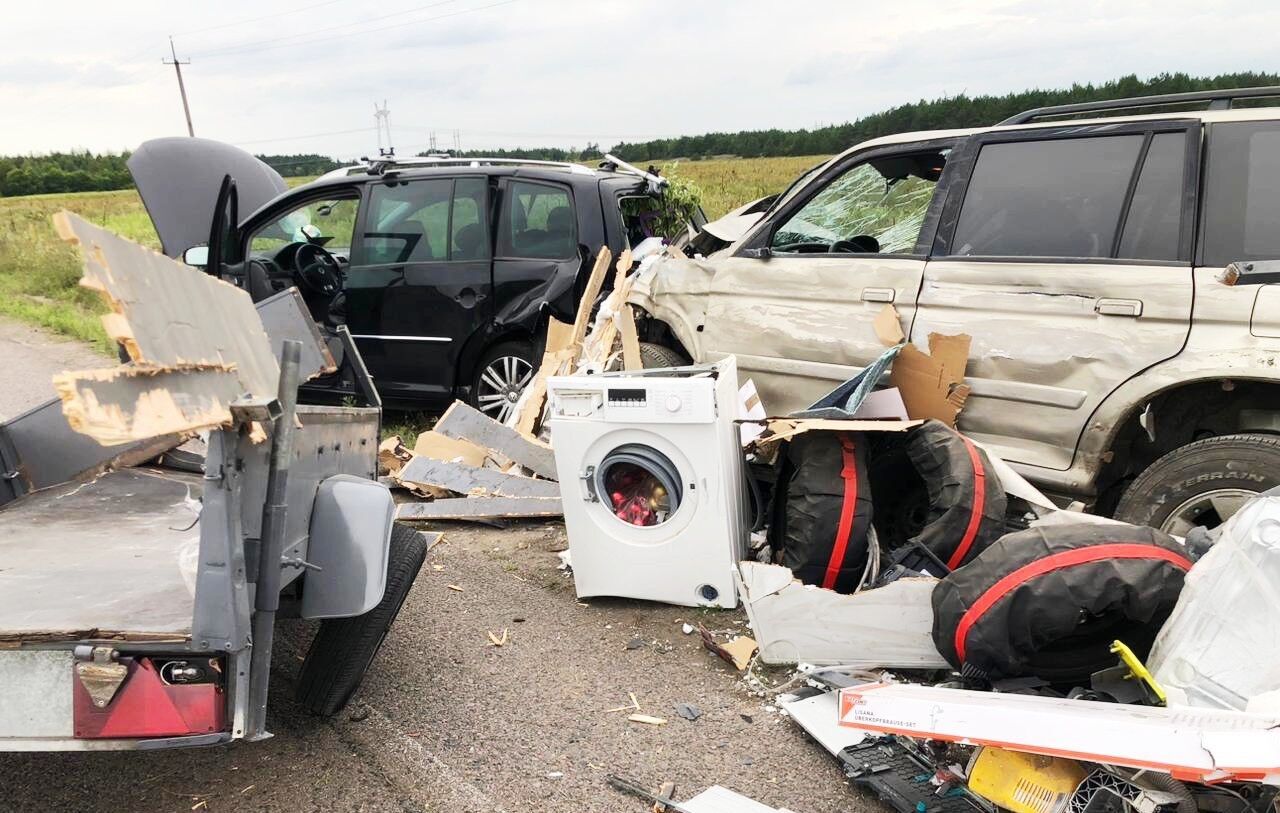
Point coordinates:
[(113, 558)]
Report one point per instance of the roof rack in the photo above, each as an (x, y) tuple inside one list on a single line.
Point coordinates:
[(1217, 99), (383, 164)]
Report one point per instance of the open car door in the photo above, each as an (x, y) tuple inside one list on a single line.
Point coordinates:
[(179, 180)]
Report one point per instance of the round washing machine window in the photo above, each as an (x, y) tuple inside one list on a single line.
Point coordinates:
[(640, 484)]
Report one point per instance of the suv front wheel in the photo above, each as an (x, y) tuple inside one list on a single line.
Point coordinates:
[(1202, 483), (503, 373)]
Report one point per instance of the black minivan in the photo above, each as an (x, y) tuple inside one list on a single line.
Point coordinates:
[(444, 270)]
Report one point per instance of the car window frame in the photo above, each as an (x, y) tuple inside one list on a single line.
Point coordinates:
[(279, 208), (964, 160), (504, 208), (761, 239), (366, 213)]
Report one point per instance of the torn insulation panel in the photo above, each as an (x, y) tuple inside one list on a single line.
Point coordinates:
[(196, 342)]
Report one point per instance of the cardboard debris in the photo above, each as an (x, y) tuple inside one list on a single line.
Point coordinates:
[(392, 455), (480, 508), (472, 481), (737, 652), (197, 344), (463, 422), (1199, 745), (931, 384), (440, 447)]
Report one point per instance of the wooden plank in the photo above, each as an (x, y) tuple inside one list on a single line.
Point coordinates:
[(463, 422), (630, 341), (559, 338), (474, 481), (594, 283), (480, 508)]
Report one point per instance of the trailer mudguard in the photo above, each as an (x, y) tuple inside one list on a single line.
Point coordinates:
[(350, 537)]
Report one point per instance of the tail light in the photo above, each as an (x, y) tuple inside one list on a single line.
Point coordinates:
[(156, 697)]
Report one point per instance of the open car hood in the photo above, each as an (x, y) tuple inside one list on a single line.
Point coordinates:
[(178, 180)]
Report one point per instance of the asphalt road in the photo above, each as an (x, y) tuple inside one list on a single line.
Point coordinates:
[(447, 721)]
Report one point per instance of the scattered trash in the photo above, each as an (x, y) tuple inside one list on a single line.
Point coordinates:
[(688, 711), (687, 629), (738, 651), (647, 719), (454, 587), (499, 640), (636, 643), (554, 774)]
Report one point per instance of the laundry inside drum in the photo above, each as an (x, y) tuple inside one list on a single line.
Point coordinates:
[(641, 485)]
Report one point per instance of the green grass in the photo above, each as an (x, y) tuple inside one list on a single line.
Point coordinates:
[(39, 273)]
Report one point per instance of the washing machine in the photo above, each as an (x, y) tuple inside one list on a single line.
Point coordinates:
[(651, 479)]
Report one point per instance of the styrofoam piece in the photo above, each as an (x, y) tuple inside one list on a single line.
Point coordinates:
[(1198, 745), (717, 799), (819, 716), (1221, 646), (890, 626)]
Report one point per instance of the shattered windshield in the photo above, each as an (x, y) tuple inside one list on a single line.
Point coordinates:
[(875, 207)]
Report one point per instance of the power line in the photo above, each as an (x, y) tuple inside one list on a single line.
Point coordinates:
[(255, 19), (307, 135), (346, 27)]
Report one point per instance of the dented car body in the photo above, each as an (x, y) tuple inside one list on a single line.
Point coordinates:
[(1082, 258)]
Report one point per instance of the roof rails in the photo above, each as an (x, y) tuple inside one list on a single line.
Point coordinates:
[(1217, 99), (383, 164)]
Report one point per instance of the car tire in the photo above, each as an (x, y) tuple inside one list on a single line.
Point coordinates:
[(343, 648), (656, 356), (503, 372), (1201, 483)]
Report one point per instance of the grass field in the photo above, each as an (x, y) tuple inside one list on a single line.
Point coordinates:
[(38, 272)]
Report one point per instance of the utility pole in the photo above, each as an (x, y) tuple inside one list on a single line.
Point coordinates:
[(177, 67), (382, 118)]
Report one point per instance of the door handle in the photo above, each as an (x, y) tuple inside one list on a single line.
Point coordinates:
[(1119, 307), (878, 294)]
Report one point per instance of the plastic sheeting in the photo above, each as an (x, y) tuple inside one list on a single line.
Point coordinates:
[(1221, 646)]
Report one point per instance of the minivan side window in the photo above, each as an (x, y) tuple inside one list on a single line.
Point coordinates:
[(468, 233), (875, 207), (407, 222), (1242, 193), (538, 222), (1048, 198)]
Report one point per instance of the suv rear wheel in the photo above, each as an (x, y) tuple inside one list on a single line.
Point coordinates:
[(503, 373), (1202, 483), (655, 356)]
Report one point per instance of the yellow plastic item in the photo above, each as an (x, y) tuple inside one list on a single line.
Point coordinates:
[(1024, 783), (1138, 670)]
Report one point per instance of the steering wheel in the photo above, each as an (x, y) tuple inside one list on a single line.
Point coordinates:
[(316, 270), (862, 244)]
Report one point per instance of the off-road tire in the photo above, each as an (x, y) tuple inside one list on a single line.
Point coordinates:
[(1247, 462), (343, 648), (654, 356)]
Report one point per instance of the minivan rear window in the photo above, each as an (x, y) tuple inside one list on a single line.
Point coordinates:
[(1242, 193)]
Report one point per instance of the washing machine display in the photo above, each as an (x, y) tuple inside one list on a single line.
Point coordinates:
[(640, 483)]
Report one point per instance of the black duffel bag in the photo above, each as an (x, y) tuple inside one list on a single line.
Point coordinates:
[(822, 509), (1048, 601)]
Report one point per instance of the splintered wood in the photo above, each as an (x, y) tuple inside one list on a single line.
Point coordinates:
[(196, 344)]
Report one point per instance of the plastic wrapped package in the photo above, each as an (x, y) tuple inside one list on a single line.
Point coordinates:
[(1221, 646)]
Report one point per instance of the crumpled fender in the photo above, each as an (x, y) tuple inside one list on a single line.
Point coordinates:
[(676, 291)]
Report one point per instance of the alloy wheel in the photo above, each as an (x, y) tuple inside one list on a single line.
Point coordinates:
[(500, 385), (1210, 509)]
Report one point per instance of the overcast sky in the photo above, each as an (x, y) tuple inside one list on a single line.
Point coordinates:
[(293, 76)]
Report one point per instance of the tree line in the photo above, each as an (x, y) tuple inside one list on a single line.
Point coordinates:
[(87, 172)]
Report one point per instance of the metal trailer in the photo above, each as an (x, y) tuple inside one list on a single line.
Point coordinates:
[(137, 606)]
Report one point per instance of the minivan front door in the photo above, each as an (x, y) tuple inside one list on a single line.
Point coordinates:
[(420, 282), (1065, 254), (797, 302)]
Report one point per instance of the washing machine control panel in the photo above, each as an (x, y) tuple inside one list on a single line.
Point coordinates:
[(673, 400)]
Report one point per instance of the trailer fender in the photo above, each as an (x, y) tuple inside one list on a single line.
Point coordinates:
[(350, 537)]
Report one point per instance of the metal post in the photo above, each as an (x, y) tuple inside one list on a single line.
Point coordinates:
[(177, 67), (266, 599)]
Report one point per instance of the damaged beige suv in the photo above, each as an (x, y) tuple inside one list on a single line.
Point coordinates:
[(1083, 256)]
